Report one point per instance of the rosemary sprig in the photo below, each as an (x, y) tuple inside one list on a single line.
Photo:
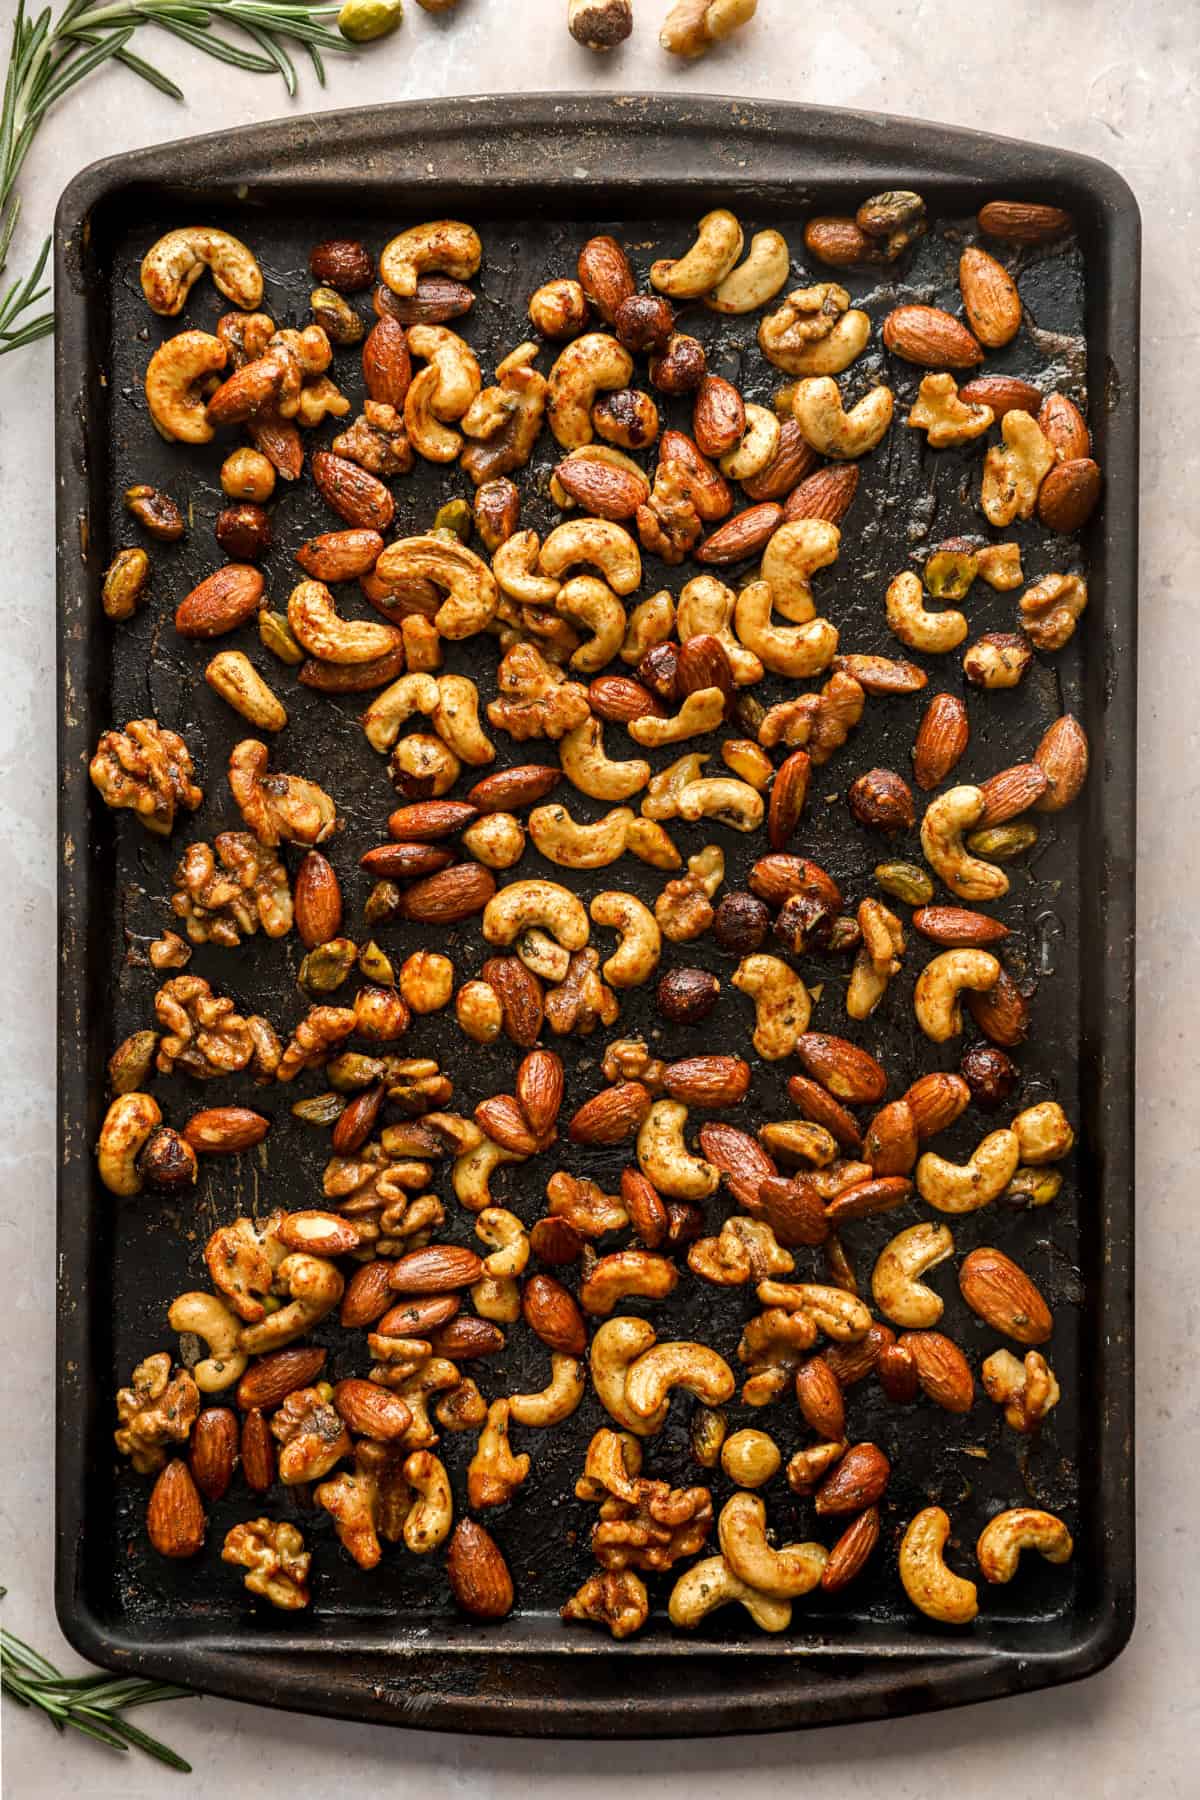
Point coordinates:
[(93, 1704)]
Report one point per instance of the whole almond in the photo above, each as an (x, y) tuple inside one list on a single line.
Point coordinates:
[(224, 1130), (853, 1362), (865, 1199), (353, 493), (1002, 1013), (317, 1233), (521, 998), (605, 276), (935, 1101), (826, 494), (714, 1080), (404, 862), (990, 298), (1063, 426), (357, 1122), (272, 1378), (779, 878), (839, 242), (175, 1522), (793, 460), (466, 1336), (743, 536), (342, 263), (551, 1312), (819, 1106), (703, 663), (718, 416), (942, 737), (820, 1398), (1004, 1296), (258, 1451), (897, 1371), (340, 555), (882, 674), (1063, 755), (540, 1085), (793, 1208), (643, 1203), (221, 602), (386, 364), (957, 927), (603, 489), (943, 1371), (351, 678), (417, 1317), (502, 1120), (931, 338), (612, 1115), (213, 1452), (372, 1411), (789, 791), (317, 901), (850, 1073), (890, 1144), (858, 1481), (850, 1554), (617, 699), (449, 897), (426, 821), (438, 299), (555, 1241), (437, 1269), (1012, 791), (509, 789), (477, 1572), (1023, 221), (1067, 497), (743, 1162), (1003, 393), (368, 1296)]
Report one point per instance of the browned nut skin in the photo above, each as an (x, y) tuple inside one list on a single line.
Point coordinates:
[(167, 1161), (740, 923), (686, 996), (626, 417), (644, 322), (883, 800), (991, 1076), (343, 264), (243, 531), (681, 367), (497, 512)]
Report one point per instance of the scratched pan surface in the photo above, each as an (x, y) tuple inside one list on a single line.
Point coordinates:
[(535, 176)]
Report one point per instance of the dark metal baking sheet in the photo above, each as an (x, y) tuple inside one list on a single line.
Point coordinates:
[(538, 175)]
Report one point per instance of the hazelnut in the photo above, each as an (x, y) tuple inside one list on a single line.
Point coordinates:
[(155, 512), (626, 417), (167, 1161), (559, 309), (685, 996), (659, 671), (344, 264), (740, 923), (497, 512), (991, 1075), (644, 322), (243, 531), (883, 799), (805, 923), (681, 367), (248, 475)]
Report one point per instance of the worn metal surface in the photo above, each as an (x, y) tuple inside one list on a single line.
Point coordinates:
[(389, 1645)]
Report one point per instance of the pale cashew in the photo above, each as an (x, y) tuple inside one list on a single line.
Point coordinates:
[(745, 759), (936, 998), (581, 753), (878, 960), (470, 586), (173, 379), (616, 1345), (497, 840), (781, 1002), (441, 392), (647, 840), (625, 1275), (127, 1125), (446, 246), (942, 828), (207, 1317), (817, 410), (1043, 1133), (431, 1516), (794, 650), (717, 247), (641, 941), (601, 544), (496, 1297), (1021, 1528), (841, 1316), (471, 1173), (913, 624), (723, 798), (524, 903), (798, 1140), (232, 675), (562, 840), (758, 279), (395, 706), (589, 602), (679, 1364), (313, 1286), (586, 367), (456, 720), (1014, 471), (791, 558), (507, 1238), (172, 267), (665, 1159), (965, 1187), (899, 1294), (557, 1400), (702, 711), (947, 420), (513, 566), (758, 446), (933, 1588), (706, 609), (785, 1574), (662, 798), (541, 955), (711, 1584), (426, 759), (319, 628), (651, 622)]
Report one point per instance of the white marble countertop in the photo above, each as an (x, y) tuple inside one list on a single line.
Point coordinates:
[(1115, 78)]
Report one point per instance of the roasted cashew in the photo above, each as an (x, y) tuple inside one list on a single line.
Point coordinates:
[(456, 720), (432, 1514), (641, 941), (784, 1574), (172, 267), (841, 1316), (718, 245), (758, 279), (601, 544), (541, 955), (758, 445), (1043, 1133), (942, 828), (965, 1187), (781, 1001), (525, 903), (794, 650), (470, 587), (946, 420), (706, 609), (472, 1172), (423, 758), (792, 556), (909, 620), (173, 379), (936, 998), (313, 1286), (833, 432), (651, 622), (513, 566), (586, 367), (319, 628), (127, 1126), (507, 1238), (395, 706), (711, 1584), (723, 798), (442, 392), (581, 753), (663, 795), (207, 1317), (624, 1275), (446, 246), (589, 602), (933, 1588), (1021, 1528), (562, 840), (557, 1400), (899, 1294), (232, 675), (616, 1345), (799, 1141), (665, 1159), (702, 711), (679, 1364)]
